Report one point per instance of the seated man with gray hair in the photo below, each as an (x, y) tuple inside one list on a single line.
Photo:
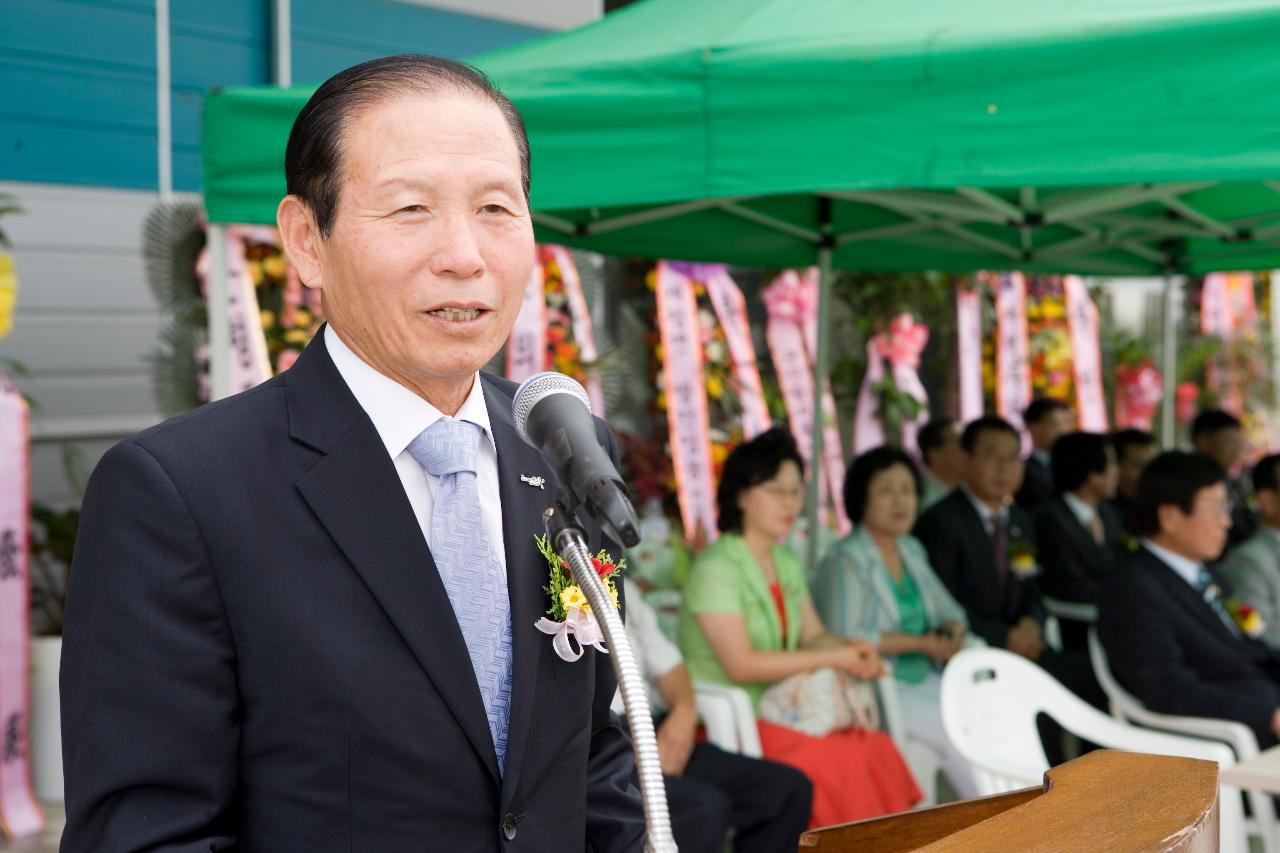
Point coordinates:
[(1252, 568)]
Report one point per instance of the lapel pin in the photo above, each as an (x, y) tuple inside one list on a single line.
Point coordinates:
[(536, 482)]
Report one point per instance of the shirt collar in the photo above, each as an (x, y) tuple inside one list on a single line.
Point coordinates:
[(1041, 456), (1079, 508), (1186, 568), (986, 513), (398, 414)]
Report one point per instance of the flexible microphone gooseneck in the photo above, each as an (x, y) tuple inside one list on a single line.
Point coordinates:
[(553, 414)]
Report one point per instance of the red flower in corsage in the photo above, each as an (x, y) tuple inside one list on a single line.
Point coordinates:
[(570, 611), (1247, 618)]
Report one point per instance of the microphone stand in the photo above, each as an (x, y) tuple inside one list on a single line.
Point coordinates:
[(568, 539)]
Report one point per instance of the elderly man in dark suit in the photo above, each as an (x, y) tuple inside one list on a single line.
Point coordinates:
[(1169, 636), (1077, 531), (302, 618), (1220, 436)]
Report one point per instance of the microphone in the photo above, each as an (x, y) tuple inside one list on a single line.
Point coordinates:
[(553, 415)]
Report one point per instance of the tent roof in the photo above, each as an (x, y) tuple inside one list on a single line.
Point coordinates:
[(1083, 135)]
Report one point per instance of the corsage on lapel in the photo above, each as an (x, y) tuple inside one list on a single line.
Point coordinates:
[(569, 611), (1022, 555)]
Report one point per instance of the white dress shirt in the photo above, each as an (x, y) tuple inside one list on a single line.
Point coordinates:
[(1084, 513), (986, 513), (399, 415), (655, 654), (1184, 567)]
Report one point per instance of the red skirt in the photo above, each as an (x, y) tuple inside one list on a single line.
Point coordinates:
[(855, 774)]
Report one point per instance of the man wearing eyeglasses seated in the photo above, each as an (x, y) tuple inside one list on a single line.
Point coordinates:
[(1171, 637)]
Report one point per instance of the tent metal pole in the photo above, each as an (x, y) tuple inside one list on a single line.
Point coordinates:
[(825, 282), (1169, 363), (219, 318)]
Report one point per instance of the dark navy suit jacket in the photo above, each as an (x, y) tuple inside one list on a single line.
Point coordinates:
[(260, 655)]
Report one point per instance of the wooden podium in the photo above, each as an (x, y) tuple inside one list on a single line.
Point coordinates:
[(1103, 801)]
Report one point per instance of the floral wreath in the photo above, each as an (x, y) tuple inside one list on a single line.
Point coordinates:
[(570, 612)]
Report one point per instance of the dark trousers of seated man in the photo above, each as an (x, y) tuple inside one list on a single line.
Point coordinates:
[(767, 804)]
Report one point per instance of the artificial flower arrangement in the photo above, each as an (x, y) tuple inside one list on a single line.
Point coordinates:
[(1022, 557), (570, 612), (1246, 617)]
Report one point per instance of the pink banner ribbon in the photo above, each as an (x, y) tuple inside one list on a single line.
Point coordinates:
[(20, 814), (969, 340), (900, 346), (792, 306), (731, 310), (1086, 362), (580, 625), (1226, 308), (583, 331), (685, 389), (527, 343), (250, 365), (1013, 356)]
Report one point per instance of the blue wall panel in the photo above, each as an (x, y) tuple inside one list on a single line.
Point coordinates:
[(77, 92), (329, 35), (77, 77)]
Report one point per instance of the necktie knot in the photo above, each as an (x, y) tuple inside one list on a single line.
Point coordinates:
[(447, 447)]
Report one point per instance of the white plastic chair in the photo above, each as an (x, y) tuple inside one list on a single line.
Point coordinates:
[(922, 758), (1126, 706), (730, 724), (728, 718), (1059, 609), (990, 699)]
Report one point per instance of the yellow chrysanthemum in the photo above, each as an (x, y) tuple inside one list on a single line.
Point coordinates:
[(573, 596), (274, 266)]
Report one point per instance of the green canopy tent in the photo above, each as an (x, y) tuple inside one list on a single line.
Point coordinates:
[(1081, 136)]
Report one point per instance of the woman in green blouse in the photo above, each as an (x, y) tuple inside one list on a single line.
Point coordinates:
[(876, 584), (748, 620)]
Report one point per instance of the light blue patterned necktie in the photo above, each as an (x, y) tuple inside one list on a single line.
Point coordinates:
[(473, 576)]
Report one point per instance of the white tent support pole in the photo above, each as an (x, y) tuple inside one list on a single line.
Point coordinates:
[(555, 223), (813, 516), (992, 202), (219, 319), (1186, 211), (164, 104), (282, 43), (657, 214), (771, 222), (913, 203), (1169, 362), (1088, 205), (888, 231)]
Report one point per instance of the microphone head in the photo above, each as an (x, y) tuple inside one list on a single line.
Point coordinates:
[(534, 390)]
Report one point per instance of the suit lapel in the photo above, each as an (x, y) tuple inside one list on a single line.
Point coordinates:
[(1189, 599), (522, 507), (356, 494), (980, 544)]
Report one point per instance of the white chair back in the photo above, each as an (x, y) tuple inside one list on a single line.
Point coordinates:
[(990, 700)]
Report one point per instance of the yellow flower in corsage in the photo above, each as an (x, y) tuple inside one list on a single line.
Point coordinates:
[(570, 612), (1022, 559), (1247, 618)]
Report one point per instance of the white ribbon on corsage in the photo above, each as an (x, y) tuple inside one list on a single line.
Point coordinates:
[(579, 624)]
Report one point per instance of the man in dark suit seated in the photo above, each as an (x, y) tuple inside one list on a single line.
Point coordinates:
[(1134, 449), (1076, 531), (983, 548), (1220, 436), (1047, 419), (1167, 633)]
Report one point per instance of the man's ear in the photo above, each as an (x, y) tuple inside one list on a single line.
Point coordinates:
[(301, 239), (1170, 517)]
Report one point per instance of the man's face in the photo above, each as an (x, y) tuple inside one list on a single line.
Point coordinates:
[(1104, 483), (1223, 447), (1051, 427), (1201, 534), (1132, 463), (993, 471), (432, 244), (947, 462)]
